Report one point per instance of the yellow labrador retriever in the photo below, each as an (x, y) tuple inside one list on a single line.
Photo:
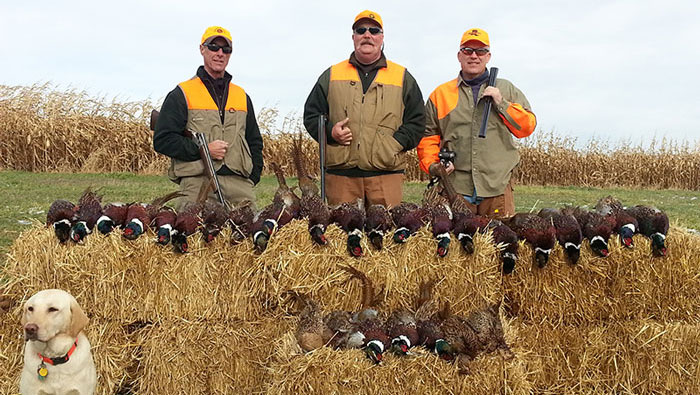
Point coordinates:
[(57, 357)]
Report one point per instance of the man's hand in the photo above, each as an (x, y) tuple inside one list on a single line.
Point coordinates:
[(494, 93), (217, 149), (434, 168), (341, 132)]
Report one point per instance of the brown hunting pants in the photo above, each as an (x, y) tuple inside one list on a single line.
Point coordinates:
[(386, 189)]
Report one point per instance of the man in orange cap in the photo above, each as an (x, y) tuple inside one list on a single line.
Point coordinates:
[(375, 112), (210, 104), (482, 167)]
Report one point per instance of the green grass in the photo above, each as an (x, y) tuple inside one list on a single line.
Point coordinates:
[(27, 196)]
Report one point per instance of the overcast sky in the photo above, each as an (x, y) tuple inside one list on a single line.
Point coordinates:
[(610, 69)]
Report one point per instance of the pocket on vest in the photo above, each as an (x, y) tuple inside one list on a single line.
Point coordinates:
[(239, 158), (337, 155), (387, 153)]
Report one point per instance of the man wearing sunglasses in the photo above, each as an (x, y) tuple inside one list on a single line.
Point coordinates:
[(210, 104), (375, 112), (482, 167)]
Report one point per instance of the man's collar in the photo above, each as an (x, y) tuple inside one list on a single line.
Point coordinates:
[(380, 63), (478, 80), (202, 73)]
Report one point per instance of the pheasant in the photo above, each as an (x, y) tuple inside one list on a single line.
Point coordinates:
[(312, 205), (164, 223), (408, 218), (440, 216), (214, 217), (568, 231), (626, 224), (537, 231), (186, 224), (351, 219), (596, 227), (402, 325), (139, 216), (241, 220), (59, 217), (113, 215), (377, 223), (88, 212), (285, 207), (508, 239), (369, 333), (312, 332), (653, 223)]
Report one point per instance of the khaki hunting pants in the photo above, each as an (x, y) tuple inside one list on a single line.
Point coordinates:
[(234, 188), (386, 189)]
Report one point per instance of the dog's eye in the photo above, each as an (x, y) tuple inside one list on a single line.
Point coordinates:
[(52, 309), (30, 308)]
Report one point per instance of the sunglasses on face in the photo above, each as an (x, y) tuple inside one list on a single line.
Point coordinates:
[(216, 47), (372, 30), (470, 51)]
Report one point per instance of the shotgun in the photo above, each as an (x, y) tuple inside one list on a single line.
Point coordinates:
[(493, 73), (322, 153), (204, 154)]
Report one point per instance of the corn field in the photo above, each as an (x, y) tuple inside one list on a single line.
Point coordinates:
[(43, 129)]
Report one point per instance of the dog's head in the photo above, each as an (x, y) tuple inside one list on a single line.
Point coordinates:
[(51, 312)]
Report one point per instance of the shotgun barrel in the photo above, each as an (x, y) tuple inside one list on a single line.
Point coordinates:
[(322, 153), (493, 73)]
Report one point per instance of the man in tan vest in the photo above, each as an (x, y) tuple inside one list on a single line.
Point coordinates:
[(375, 114), (210, 104), (482, 166)]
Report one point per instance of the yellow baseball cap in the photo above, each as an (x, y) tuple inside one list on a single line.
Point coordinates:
[(367, 14), (213, 32), (475, 34)]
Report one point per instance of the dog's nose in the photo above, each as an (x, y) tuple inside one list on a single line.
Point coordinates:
[(31, 330)]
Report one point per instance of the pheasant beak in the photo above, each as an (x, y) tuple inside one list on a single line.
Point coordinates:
[(357, 251), (404, 348), (210, 238), (604, 252), (441, 252), (628, 242)]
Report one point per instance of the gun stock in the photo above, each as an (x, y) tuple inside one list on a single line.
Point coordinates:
[(204, 153), (154, 119), (493, 73), (322, 153)]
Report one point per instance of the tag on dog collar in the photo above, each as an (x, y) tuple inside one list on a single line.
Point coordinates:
[(42, 372)]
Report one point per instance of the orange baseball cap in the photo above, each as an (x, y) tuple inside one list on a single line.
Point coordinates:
[(213, 32), (367, 14), (475, 34)]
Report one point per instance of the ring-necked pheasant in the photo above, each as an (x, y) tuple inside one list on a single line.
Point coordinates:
[(113, 216), (440, 216), (214, 217), (402, 325), (507, 239), (369, 334), (164, 223), (408, 218), (351, 219), (537, 231), (241, 220), (596, 227), (653, 223), (626, 224), (59, 217), (311, 332), (285, 207), (140, 216), (569, 233), (312, 205), (377, 224), (88, 212)]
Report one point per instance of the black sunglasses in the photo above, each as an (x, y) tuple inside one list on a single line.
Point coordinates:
[(470, 51), (372, 30), (216, 47)]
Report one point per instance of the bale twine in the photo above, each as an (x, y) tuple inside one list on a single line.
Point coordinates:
[(112, 350), (139, 280), (629, 284), (467, 281), (641, 356)]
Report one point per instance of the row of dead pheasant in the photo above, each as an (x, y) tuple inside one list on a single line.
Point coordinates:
[(450, 336), (443, 208)]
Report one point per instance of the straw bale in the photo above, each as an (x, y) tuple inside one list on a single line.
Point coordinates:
[(139, 280), (112, 351), (209, 357), (627, 285), (641, 356), (467, 281)]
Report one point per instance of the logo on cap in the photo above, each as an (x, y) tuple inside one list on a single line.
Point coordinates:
[(371, 16), (219, 31), (474, 32)]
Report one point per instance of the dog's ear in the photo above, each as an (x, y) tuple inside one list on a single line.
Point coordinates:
[(78, 319)]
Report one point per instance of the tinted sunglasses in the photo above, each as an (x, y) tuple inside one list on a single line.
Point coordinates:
[(216, 47), (470, 51), (372, 30)]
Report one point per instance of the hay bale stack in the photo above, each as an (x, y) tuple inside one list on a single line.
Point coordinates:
[(112, 351), (200, 357), (641, 356), (467, 281), (627, 285), (139, 280)]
